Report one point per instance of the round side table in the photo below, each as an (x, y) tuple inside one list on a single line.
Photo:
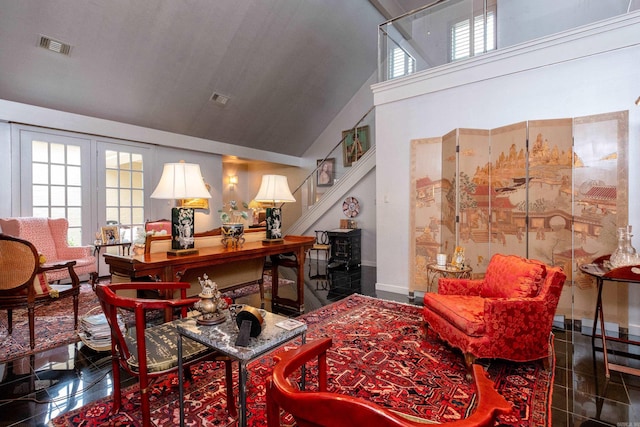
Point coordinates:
[(436, 271)]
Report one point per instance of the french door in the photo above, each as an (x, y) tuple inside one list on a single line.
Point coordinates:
[(93, 182), (55, 171)]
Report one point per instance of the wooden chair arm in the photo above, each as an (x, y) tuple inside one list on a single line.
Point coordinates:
[(61, 266), (68, 265), (337, 410)]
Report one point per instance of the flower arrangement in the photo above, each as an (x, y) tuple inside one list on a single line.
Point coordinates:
[(232, 213)]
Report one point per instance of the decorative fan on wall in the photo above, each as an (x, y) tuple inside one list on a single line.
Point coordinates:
[(351, 207)]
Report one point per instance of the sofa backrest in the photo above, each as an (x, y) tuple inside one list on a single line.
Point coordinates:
[(511, 276), (38, 232), (162, 243)]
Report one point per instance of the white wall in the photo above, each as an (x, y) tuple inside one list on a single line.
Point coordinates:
[(590, 71), (5, 169)]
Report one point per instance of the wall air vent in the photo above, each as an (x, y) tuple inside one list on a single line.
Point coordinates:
[(219, 99), (54, 45)]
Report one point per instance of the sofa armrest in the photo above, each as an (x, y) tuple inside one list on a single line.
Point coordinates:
[(451, 286), (520, 322)]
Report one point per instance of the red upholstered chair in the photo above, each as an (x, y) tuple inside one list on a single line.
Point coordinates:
[(325, 409), (157, 354), (507, 315), (49, 236), (158, 226)]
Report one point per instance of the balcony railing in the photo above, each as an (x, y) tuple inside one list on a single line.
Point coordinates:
[(445, 31)]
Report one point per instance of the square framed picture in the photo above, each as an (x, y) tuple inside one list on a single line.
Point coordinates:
[(355, 142), (324, 173), (110, 234)]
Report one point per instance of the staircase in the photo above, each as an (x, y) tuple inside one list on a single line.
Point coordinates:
[(305, 224)]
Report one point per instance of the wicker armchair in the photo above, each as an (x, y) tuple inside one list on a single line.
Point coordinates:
[(23, 282)]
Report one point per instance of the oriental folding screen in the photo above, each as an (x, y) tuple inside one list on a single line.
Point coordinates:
[(554, 190)]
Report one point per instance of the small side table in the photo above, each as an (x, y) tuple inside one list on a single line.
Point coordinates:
[(436, 271), (601, 269), (222, 338), (97, 248)]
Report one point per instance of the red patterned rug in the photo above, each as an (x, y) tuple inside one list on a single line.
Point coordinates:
[(379, 353)]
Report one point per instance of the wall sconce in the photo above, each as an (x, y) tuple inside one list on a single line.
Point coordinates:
[(233, 180)]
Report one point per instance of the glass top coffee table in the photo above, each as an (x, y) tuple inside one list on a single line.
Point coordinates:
[(222, 337)]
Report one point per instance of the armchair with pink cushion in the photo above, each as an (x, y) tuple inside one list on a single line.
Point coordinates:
[(49, 236), (507, 315)]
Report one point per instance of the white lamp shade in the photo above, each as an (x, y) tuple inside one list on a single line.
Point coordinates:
[(274, 188), (181, 181)]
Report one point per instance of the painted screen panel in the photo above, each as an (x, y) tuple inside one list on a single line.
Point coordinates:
[(473, 186), (426, 208), (600, 205), (449, 194), (508, 194)]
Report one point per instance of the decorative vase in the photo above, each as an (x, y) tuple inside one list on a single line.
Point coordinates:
[(233, 234), (625, 253)]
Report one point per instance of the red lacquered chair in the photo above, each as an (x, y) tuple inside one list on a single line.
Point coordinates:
[(325, 409), (157, 354)]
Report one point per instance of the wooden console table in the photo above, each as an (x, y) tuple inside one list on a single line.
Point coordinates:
[(162, 267)]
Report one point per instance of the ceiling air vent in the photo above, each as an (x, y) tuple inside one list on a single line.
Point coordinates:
[(54, 45), (219, 99)]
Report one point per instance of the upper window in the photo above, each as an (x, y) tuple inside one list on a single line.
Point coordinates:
[(468, 40), (401, 63)]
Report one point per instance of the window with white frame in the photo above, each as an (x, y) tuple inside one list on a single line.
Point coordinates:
[(52, 180), (90, 182), (124, 191), (469, 39), (400, 63)]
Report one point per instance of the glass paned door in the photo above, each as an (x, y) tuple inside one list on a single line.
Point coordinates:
[(124, 187), (55, 171)]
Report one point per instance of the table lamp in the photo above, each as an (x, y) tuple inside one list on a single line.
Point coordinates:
[(274, 189), (181, 181)]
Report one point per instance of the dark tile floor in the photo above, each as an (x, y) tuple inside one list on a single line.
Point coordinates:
[(72, 376)]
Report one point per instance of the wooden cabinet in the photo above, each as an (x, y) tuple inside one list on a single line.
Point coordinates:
[(345, 247)]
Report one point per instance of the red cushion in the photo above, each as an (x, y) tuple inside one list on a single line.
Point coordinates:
[(511, 276), (464, 312)]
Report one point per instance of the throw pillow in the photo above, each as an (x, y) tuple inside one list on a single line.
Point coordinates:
[(511, 276), (40, 283)]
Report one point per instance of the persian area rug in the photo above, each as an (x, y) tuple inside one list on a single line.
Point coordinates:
[(379, 353), (53, 325)]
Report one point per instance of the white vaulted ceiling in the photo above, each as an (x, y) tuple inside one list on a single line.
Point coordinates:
[(287, 66)]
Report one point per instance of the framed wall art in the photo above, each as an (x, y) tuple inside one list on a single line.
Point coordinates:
[(324, 174), (355, 142)]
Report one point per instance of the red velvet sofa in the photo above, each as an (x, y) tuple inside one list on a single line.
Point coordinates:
[(507, 315)]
